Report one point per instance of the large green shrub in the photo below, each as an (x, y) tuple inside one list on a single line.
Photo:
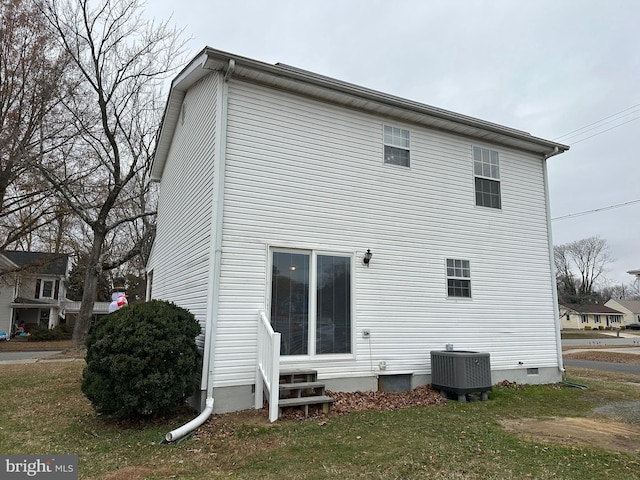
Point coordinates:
[(142, 360)]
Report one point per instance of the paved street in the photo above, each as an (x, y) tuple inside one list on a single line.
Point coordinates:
[(627, 343), (605, 366), (24, 357)]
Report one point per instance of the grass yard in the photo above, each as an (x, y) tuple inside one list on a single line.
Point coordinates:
[(43, 411)]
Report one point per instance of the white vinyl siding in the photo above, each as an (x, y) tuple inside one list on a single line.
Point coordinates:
[(7, 295), (180, 258), (302, 174)]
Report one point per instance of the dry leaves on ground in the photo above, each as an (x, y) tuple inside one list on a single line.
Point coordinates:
[(345, 402), (354, 401)]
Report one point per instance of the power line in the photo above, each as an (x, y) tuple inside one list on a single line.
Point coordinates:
[(603, 131), (588, 212), (602, 124), (599, 121)]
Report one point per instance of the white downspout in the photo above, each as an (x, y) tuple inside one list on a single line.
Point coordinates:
[(216, 249), (554, 291)]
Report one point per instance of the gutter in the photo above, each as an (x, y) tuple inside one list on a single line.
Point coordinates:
[(215, 253), (554, 287)]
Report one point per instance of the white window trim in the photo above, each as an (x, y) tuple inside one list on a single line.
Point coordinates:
[(313, 253), (393, 145), (497, 179), (453, 277), (53, 288)]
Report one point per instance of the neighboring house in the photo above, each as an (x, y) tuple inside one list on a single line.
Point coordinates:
[(595, 316), (276, 184), (71, 311), (629, 308), (32, 288)]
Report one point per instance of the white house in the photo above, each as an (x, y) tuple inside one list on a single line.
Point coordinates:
[(32, 289), (590, 316), (630, 310), (277, 183)]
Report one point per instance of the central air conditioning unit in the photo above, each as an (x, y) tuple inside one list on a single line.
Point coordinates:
[(461, 372)]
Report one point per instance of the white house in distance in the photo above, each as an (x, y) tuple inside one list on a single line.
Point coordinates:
[(276, 184), (592, 316), (32, 289), (630, 310)]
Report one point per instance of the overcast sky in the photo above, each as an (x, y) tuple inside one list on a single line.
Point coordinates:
[(548, 67)]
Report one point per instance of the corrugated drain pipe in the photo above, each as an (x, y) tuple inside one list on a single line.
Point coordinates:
[(187, 428)]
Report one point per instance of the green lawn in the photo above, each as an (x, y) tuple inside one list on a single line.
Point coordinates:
[(43, 411)]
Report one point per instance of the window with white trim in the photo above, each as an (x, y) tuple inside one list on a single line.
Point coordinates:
[(47, 288), (486, 171), (311, 303), (458, 278), (396, 146), (584, 318), (596, 319)]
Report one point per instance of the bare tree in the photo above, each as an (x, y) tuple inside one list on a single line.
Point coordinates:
[(580, 266), (621, 292), (121, 61), (32, 84)]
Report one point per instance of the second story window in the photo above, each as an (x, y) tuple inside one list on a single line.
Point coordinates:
[(47, 288), (486, 170), (396, 146)]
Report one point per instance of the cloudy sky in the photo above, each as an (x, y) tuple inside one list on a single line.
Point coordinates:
[(549, 67)]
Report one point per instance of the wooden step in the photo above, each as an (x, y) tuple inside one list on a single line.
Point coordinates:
[(305, 402), (301, 389), (298, 375), (300, 385)]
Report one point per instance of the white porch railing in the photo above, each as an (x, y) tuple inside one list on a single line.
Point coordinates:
[(268, 366)]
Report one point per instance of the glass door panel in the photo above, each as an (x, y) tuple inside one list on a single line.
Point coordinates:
[(333, 304), (290, 301)]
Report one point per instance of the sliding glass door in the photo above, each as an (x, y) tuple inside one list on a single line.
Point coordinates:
[(311, 302)]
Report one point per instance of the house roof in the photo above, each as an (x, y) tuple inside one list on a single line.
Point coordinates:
[(292, 79), (591, 308), (632, 305), (38, 262), (21, 302)]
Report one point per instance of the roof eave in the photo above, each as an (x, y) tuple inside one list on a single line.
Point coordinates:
[(309, 83)]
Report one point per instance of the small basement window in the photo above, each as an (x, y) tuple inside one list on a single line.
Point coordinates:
[(396, 146)]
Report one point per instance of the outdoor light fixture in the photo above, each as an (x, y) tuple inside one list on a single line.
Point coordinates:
[(367, 257)]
